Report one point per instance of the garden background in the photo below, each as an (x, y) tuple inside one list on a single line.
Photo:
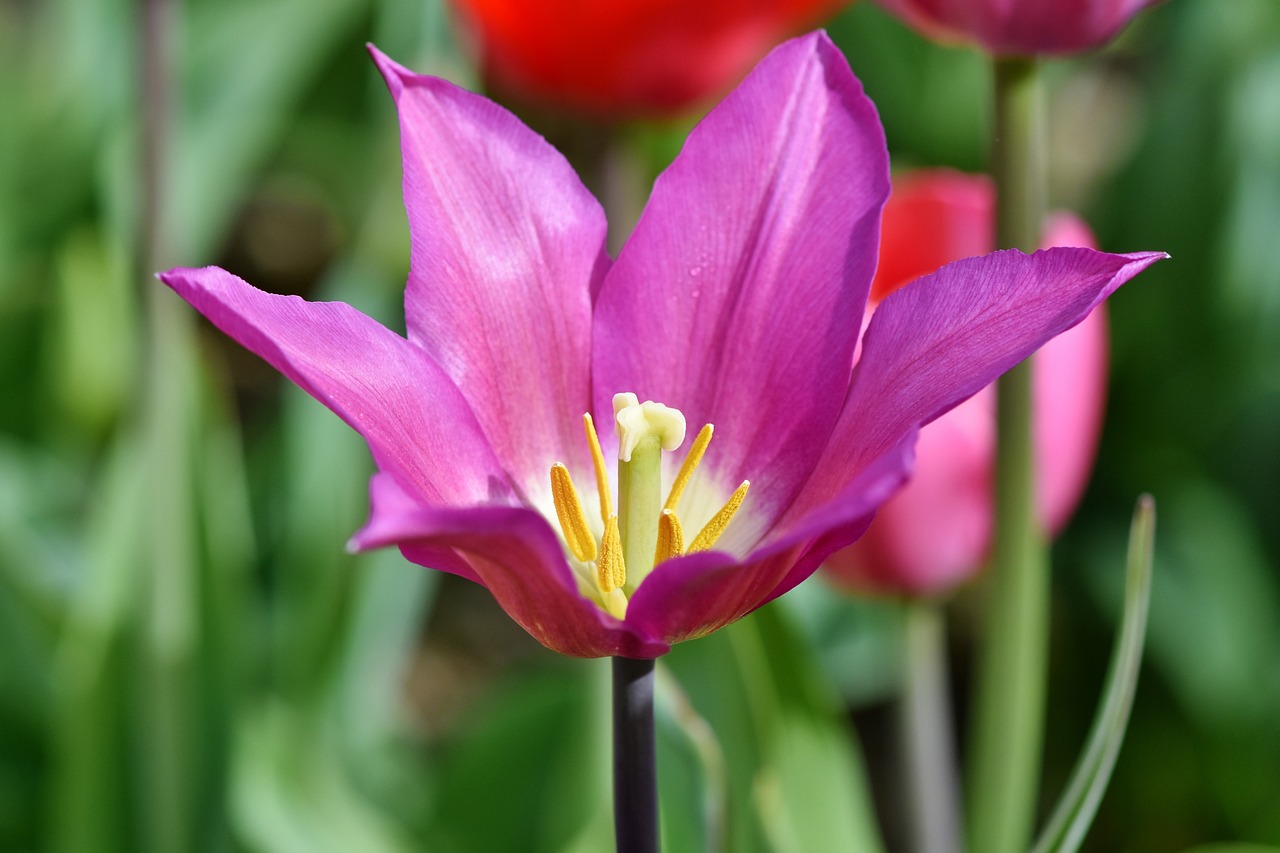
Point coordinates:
[(190, 660)]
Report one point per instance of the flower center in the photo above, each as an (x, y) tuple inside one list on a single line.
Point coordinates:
[(645, 530)]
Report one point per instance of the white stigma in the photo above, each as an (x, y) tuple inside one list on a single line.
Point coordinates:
[(637, 421)]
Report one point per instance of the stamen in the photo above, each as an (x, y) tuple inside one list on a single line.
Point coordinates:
[(602, 474), (670, 537), (612, 569), (690, 463), (573, 521), (707, 537)]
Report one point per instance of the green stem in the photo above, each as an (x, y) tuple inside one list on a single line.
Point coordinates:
[(1008, 719), (927, 743)]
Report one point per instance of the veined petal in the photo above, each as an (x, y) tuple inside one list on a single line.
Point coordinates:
[(937, 341), (737, 298), (514, 554), (507, 249), (415, 421)]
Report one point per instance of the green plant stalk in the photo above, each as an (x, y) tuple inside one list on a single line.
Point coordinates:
[(1008, 720), (928, 747), (168, 715)]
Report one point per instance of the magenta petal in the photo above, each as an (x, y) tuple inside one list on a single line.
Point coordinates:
[(737, 298), (940, 339), (415, 421), (692, 596), (512, 552), (933, 533), (507, 248), (389, 506)]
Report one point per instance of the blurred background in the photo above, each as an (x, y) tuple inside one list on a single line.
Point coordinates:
[(189, 659)]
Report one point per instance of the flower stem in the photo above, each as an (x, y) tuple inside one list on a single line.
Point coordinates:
[(927, 743), (635, 778), (1008, 718)]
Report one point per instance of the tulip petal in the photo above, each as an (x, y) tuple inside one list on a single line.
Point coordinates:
[(934, 532), (738, 296), (1023, 27), (937, 341), (513, 553), (692, 596), (507, 248), (415, 421)]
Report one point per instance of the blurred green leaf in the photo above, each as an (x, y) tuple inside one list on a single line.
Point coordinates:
[(291, 793), (242, 86), (93, 351), (794, 771), (89, 796), (531, 770)]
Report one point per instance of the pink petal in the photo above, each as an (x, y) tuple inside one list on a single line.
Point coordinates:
[(507, 248), (514, 553), (692, 596), (940, 339), (415, 421), (736, 298), (1020, 27), (934, 532)]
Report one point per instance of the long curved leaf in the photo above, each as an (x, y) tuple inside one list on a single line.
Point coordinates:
[(1079, 803)]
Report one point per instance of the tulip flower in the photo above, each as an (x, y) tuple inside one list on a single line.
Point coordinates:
[(496, 424), (627, 57), (1020, 27), (935, 532)]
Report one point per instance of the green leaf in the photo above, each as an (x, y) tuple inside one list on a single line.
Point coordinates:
[(1075, 810), (794, 777)]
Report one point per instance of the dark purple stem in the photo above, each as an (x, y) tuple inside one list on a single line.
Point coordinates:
[(635, 778)]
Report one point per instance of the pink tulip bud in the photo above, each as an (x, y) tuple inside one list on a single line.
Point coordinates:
[(1020, 27), (936, 531)]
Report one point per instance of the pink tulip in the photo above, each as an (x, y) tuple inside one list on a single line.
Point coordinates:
[(731, 302), (1020, 27), (935, 532)]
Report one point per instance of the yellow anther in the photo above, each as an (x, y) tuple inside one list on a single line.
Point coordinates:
[(602, 475), (573, 521), (612, 569), (707, 537), (690, 463), (670, 537)]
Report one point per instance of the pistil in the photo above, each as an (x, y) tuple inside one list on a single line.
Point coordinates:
[(644, 431), (645, 530)]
